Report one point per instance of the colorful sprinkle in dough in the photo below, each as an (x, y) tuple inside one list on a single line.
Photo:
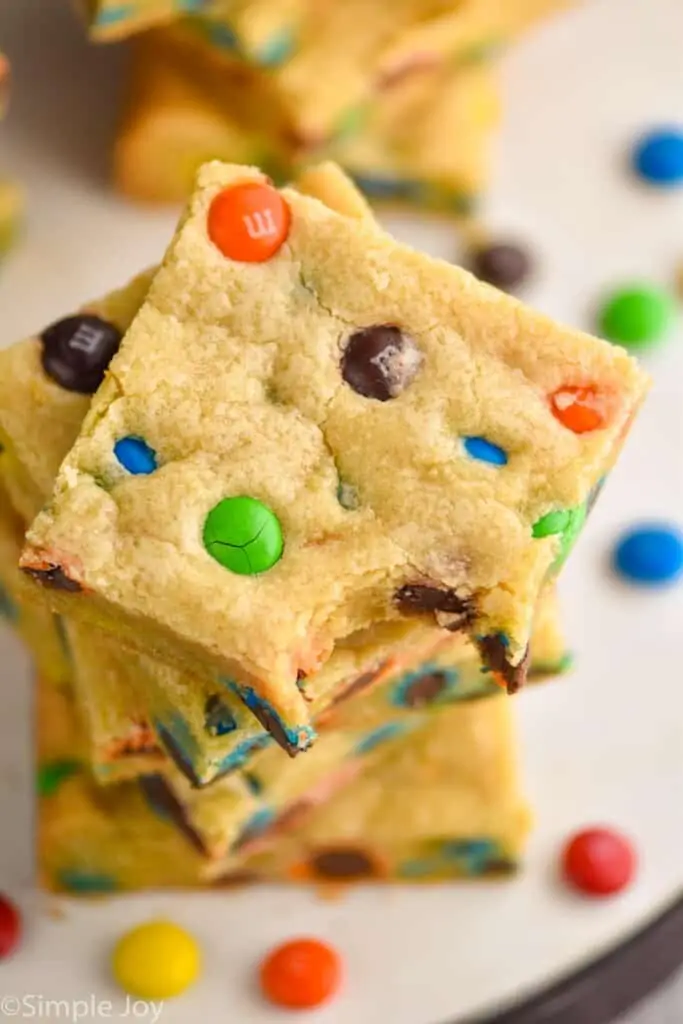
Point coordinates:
[(658, 157), (135, 455), (578, 408), (77, 351), (255, 827), (249, 222), (276, 50), (52, 774), (650, 554), (301, 974), (156, 960), (380, 362), (218, 718), (637, 317), (243, 535), (87, 883), (380, 735), (8, 609), (502, 264), (599, 862), (10, 927), (473, 855), (552, 523), (485, 451)]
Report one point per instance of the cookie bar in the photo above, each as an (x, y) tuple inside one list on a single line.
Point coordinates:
[(323, 87), (324, 469), (445, 803), (426, 141), (217, 732)]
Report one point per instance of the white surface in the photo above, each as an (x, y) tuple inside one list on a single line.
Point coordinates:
[(608, 744)]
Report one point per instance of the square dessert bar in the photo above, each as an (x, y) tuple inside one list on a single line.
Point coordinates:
[(130, 836), (208, 729), (310, 428)]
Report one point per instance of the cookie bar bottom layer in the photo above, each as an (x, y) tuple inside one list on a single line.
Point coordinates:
[(457, 811), (444, 804)]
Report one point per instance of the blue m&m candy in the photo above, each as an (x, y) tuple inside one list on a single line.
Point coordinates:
[(658, 157), (650, 555)]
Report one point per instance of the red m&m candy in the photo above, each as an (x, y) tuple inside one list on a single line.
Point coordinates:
[(10, 927), (598, 861)]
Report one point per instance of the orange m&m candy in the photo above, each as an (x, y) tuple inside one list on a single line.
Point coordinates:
[(249, 222), (579, 409), (301, 974)]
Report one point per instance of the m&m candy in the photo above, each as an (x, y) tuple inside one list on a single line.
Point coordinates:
[(301, 974)]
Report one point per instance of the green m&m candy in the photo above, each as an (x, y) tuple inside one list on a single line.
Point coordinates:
[(636, 317), (243, 535), (551, 523), (52, 774)]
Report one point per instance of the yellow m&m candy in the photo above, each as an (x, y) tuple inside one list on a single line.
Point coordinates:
[(156, 960)]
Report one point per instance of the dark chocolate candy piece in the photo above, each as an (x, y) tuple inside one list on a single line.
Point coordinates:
[(233, 879), (501, 264), (425, 689), (163, 800), (356, 686), (272, 724), (78, 350), (420, 598), (494, 654), (343, 864), (178, 757), (380, 362), (55, 577)]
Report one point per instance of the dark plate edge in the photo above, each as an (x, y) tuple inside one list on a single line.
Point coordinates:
[(608, 986)]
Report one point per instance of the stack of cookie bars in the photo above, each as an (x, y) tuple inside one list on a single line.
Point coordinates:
[(297, 500), (402, 94)]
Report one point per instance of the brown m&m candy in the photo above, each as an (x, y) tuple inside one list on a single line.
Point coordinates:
[(502, 264), (78, 350), (380, 362)]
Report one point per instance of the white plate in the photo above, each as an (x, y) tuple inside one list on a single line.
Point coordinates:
[(607, 744)]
